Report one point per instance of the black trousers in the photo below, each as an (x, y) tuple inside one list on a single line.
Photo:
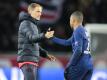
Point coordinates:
[(29, 72)]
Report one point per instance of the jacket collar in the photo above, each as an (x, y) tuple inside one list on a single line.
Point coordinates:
[(26, 16)]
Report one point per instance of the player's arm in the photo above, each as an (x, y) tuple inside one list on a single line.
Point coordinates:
[(78, 47), (27, 32), (62, 41)]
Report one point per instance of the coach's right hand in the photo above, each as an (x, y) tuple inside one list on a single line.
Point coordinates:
[(49, 34)]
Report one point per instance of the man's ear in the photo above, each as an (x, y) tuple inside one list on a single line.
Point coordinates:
[(29, 11), (73, 21)]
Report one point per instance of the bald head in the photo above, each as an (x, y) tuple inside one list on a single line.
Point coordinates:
[(78, 15), (76, 19)]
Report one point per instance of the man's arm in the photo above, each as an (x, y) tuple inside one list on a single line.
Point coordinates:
[(62, 41), (44, 54), (78, 47), (27, 32)]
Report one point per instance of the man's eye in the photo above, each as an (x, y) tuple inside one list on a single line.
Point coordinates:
[(38, 11)]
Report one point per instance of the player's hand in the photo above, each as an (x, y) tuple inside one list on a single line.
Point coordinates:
[(51, 58), (49, 34)]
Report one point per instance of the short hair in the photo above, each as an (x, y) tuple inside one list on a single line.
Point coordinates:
[(78, 15), (33, 5)]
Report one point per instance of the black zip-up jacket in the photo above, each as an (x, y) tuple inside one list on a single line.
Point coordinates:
[(28, 39)]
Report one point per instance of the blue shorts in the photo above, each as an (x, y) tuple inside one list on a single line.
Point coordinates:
[(74, 73)]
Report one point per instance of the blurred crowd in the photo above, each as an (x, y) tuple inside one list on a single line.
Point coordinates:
[(95, 11)]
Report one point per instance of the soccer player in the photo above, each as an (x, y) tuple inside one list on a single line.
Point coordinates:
[(80, 66), (29, 50)]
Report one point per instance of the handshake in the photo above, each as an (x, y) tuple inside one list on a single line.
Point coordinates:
[(49, 34)]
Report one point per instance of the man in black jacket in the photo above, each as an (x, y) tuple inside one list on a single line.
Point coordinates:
[(29, 50)]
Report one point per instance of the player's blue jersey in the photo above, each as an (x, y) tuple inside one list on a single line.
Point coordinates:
[(80, 43)]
